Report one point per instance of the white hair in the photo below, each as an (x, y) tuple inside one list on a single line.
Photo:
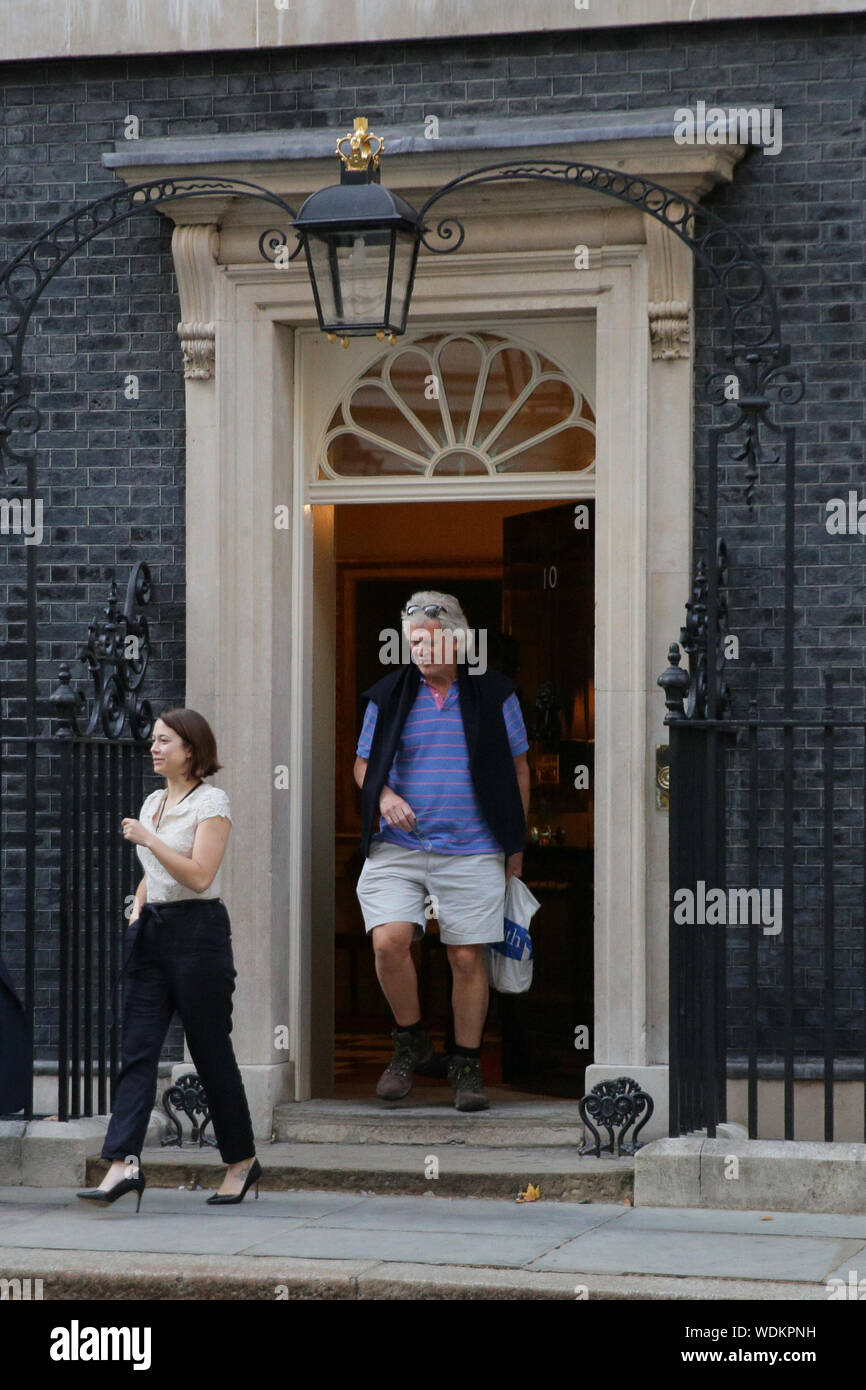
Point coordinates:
[(453, 619)]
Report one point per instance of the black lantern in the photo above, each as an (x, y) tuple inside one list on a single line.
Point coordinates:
[(361, 243)]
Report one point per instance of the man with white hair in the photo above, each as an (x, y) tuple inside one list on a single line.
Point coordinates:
[(441, 760)]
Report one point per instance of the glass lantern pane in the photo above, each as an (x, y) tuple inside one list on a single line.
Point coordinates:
[(350, 270), (405, 255)]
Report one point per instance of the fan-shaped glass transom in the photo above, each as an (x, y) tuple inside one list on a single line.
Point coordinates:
[(459, 404)]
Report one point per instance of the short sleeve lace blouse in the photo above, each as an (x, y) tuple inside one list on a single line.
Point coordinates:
[(177, 830)]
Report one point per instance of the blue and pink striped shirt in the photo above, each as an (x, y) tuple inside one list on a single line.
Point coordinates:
[(431, 771)]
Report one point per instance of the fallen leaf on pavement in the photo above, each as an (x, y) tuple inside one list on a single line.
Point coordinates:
[(531, 1194)]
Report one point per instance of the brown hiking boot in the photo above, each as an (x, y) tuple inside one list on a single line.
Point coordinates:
[(464, 1073), (409, 1049)]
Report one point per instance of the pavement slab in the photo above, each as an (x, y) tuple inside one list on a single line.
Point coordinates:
[(479, 1250), (792, 1258), (776, 1223), (557, 1219), (335, 1244)]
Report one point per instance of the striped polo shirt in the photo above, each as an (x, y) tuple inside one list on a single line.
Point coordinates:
[(431, 771)]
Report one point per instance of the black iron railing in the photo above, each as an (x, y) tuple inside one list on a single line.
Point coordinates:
[(67, 881), (68, 876), (760, 812)]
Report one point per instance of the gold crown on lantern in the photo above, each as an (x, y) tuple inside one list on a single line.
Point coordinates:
[(355, 148)]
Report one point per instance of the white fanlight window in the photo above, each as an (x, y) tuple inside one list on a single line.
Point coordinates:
[(458, 405)]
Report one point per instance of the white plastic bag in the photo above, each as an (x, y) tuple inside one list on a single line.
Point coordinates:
[(509, 962)]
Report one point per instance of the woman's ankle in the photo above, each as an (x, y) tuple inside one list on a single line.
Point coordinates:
[(121, 1168)]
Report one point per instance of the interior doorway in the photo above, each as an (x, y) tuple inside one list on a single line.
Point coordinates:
[(524, 572)]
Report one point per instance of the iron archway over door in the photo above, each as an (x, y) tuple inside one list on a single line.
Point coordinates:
[(755, 360)]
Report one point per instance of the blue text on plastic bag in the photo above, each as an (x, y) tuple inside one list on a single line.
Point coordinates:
[(515, 943)]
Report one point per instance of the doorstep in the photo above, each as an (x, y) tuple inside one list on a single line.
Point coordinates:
[(429, 1117), (559, 1174)]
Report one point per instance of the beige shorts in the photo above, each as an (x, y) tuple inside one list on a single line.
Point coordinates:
[(464, 892)]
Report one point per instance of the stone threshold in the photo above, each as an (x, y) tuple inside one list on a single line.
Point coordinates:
[(555, 1124)]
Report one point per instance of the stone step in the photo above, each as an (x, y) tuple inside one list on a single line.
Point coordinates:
[(531, 1124), (402, 1169)]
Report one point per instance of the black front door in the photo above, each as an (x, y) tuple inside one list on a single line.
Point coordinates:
[(549, 612)]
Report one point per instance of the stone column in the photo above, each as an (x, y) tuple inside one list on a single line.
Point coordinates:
[(632, 975), (238, 604)]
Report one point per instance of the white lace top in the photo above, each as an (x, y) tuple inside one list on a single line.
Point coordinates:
[(177, 830)]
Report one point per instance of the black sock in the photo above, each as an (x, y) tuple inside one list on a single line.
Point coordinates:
[(412, 1027), (466, 1051)]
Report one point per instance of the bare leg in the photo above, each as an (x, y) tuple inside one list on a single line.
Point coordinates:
[(231, 1183), (395, 969), (234, 1177), (118, 1169), (470, 993)]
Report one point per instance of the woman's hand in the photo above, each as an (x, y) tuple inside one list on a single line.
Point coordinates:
[(134, 831), (514, 865), (395, 810)]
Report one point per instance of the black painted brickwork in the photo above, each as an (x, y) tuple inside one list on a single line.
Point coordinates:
[(112, 471)]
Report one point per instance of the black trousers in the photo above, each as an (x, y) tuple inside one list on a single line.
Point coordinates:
[(178, 956)]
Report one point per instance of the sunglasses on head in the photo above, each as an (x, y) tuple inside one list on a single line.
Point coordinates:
[(431, 609)]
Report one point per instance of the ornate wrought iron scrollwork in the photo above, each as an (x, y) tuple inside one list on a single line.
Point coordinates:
[(698, 642), (24, 279), (758, 359), (271, 243), (615, 1104), (750, 306), (751, 388), (187, 1094), (116, 656)]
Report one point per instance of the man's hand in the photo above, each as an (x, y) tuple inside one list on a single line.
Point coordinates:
[(395, 810), (514, 865)]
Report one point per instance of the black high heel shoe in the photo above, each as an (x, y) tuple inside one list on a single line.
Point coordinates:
[(104, 1197), (252, 1177)]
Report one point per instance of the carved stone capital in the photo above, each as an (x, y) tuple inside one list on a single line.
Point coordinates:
[(669, 328), (670, 287), (194, 247)]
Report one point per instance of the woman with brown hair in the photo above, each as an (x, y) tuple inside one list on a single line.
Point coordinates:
[(179, 957)]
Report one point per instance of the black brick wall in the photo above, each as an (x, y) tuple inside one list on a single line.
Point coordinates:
[(112, 471)]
